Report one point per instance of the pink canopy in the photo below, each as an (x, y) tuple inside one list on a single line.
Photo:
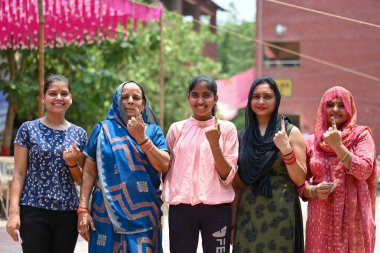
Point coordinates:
[(68, 21), (233, 93)]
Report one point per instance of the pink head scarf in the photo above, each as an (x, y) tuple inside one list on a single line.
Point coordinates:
[(348, 133), (350, 198)]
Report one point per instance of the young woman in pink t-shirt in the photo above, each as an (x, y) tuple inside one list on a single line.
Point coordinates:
[(204, 152)]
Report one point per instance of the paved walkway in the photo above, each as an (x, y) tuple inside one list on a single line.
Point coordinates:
[(9, 246)]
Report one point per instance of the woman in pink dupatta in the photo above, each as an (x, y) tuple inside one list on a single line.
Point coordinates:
[(341, 183)]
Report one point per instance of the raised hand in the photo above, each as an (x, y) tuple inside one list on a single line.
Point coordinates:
[(281, 139), (213, 134), (71, 154), (333, 137), (136, 127)]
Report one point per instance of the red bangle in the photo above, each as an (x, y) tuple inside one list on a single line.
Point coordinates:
[(82, 209), (289, 156), (290, 160), (233, 227)]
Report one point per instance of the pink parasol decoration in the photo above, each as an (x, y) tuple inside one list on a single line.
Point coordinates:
[(32, 24), (68, 22)]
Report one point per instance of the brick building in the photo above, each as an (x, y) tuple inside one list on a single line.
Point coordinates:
[(348, 44)]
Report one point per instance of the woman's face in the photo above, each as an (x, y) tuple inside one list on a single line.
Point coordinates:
[(202, 100), (263, 100), (132, 98), (57, 97), (335, 108)]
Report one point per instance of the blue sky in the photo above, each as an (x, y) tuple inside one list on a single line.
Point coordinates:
[(246, 9)]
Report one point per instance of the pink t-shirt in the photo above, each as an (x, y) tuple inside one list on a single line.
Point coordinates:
[(193, 178)]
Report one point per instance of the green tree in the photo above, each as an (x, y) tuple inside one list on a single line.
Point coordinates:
[(236, 53), (236, 47), (96, 70)]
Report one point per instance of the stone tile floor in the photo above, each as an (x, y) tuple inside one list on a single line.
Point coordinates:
[(9, 246)]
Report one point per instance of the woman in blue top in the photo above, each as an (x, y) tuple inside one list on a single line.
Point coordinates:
[(43, 197), (125, 155)]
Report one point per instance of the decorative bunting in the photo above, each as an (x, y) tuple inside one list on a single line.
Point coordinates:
[(69, 22)]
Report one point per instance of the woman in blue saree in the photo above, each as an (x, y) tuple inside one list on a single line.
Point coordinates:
[(125, 157)]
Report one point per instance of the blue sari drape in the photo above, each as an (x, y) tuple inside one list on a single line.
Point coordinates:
[(126, 200), (127, 193), (129, 183)]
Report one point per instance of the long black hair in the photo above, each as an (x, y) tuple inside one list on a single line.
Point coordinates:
[(251, 122), (258, 153)]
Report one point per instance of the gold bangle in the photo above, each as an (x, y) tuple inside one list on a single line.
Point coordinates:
[(312, 191), (345, 157), (149, 148)]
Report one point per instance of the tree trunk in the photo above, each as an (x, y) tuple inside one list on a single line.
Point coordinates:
[(162, 69), (8, 132), (41, 69), (12, 109)]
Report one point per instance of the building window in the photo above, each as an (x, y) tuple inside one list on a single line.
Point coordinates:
[(275, 57)]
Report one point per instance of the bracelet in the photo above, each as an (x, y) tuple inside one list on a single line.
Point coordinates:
[(290, 160), (291, 157), (145, 141), (82, 209), (345, 157), (72, 166), (150, 149), (312, 191), (288, 153), (233, 226), (148, 146)]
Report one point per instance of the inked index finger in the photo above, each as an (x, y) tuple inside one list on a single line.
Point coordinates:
[(216, 121), (74, 144), (137, 112), (283, 123), (140, 118), (333, 123), (216, 124)]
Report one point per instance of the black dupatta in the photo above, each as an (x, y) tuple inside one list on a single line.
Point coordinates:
[(258, 153)]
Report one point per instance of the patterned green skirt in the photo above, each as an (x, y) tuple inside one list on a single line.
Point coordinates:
[(270, 224)]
